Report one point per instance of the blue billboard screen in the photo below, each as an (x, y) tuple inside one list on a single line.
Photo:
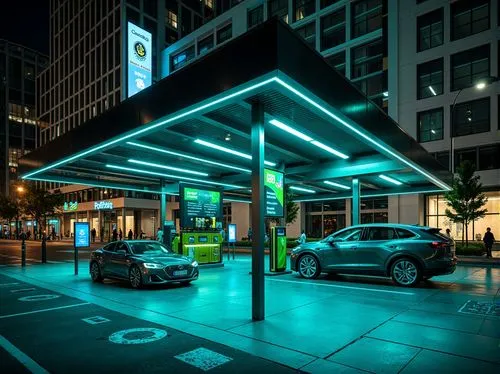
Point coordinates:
[(140, 53)]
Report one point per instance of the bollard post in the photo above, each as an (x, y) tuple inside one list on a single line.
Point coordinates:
[(44, 249), (23, 253)]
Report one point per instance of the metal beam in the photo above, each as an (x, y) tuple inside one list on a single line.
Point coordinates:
[(258, 207)]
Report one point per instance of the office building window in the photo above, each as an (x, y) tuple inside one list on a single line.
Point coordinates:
[(430, 78), (205, 44), (468, 67), (182, 58), (255, 16), (366, 16), (430, 30), (278, 8), (367, 59), (471, 117), (303, 8), (333, 29), (489, 157), (430, 125), (469, 18), (325, 3), (224, 33), (172, 19), (338, 61), (308, 32), (443, 158)]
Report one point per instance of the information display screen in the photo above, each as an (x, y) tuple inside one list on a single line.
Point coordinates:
[(200, 207), (273, 185), (140, 53), (82, 234), (231, 233)]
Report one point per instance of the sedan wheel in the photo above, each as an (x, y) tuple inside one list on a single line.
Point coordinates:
[(135, 277), (405, 272), (309, 267), (95, 272)]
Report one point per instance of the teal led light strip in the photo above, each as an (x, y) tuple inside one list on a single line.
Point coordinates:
[(187, 171), (150, 127), (365, 136), (335, 184), (180, 177), (368, 195), (166, 151), (302, 189), (390, 180)]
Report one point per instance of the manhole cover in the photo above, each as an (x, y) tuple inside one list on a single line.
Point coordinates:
[(137, 336), (38, 297), (484, 309)]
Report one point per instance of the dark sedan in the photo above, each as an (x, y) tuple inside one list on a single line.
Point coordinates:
[(141, 262)]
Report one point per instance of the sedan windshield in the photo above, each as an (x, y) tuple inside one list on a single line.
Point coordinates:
[(148, 248)]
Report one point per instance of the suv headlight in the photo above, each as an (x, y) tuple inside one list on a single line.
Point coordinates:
[(150, 265), (194, 264)]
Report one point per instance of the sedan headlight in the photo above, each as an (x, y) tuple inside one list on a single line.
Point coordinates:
[(194, 264), (150, 265)]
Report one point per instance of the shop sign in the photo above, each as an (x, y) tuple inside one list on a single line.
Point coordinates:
[(140, 53), (274, 196), (103, 205), (70, 206)]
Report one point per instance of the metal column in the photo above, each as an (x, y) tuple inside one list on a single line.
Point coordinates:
[(258, 206), (356, 201), (124, 223), (163, 208)]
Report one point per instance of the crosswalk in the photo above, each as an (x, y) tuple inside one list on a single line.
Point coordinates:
[(11, 260)]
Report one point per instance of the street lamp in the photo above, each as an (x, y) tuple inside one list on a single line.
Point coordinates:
[(479, 85)]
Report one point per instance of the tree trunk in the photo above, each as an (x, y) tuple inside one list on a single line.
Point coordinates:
[(466, 234)]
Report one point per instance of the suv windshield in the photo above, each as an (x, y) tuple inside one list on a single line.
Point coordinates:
[(148, 248)]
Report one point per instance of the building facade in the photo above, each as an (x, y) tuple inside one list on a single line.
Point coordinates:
[(19, 126)]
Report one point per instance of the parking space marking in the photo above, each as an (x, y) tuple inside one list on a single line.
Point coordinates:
[(345, 287), (8, 284), (137, 336), (203, 358), (95, 320), (38, 297), (20, 356), (23, 290), (43, 310)]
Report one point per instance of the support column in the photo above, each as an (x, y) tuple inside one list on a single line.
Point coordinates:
[(162, 217), (356, 202), (124, 224), (258, 206)]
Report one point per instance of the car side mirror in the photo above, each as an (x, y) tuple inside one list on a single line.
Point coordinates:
[(121, 252)]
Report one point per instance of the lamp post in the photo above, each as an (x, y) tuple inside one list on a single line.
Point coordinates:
[(20, 191), (480, 85)]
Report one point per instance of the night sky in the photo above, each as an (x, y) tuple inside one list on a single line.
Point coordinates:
[(27, 23)]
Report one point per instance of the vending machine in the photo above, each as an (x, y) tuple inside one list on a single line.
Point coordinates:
[(277, 249), (203, 246)]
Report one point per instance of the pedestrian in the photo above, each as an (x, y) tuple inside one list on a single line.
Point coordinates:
[(120, 234), (130, 234), (249, 234), (302, 238), (101, 233), (93, 233), (452, 246), (115, 235), (488, 240), (159, 235), (143, 234)]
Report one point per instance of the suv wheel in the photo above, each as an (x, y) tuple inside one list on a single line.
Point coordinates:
[(95, 272), (309, 267), (405, 272), (135, 277)]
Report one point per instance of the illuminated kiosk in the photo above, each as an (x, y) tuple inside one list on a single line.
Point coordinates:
[(285, 107), (201, 223)]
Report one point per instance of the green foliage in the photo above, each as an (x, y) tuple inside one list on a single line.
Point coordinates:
[(292, 208), (41, 203), (9, 208), (465, 199)]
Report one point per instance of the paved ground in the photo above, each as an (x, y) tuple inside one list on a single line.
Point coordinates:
[(339, 324)]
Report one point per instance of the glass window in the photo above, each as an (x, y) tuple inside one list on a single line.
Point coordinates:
[(110, 247), (278, 8), (462, 155), (366, 17), (303, 8), (150, 8), (225, 33), (255, 16), (430, 78), (367, 59), (180, 59), (469, 18), (468, 67), (349, 234), (333, 29), (206, 44), (334, 205), (338, 61), (308, 32), (430, 30), (443, 158), (315, 206), (471, 117), (171, 19), (314, 226), (404, 234), (489, 157), (430, 125), (325, 3), (381, 233)]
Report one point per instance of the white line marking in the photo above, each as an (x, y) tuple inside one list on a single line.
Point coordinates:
[(338, 286), (8, 284), (20, 356), (43, 310), (23, 290)]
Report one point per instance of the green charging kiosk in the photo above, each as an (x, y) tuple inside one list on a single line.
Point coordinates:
[(277, 249)]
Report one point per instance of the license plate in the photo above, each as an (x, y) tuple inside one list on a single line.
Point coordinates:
[(180, 273)]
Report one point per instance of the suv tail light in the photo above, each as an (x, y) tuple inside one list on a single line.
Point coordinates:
[(437, 245)]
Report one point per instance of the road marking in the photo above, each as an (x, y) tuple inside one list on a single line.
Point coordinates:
[(20, 356), (346, 287), (138, 336), (23, 290), (43, 310), (95, 320), (38, 297), (8, 284), (203, 358)]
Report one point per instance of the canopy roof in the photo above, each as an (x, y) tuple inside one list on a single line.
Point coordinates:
[(194, 126)]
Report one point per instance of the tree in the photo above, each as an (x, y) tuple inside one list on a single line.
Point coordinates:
[(41, 203), (465, 199), (11, 208), (292, 208)]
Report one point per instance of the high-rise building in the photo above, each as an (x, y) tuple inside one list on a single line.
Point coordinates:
[(19, 126)]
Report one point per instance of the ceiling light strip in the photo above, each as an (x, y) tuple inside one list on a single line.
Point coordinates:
[(229, 150), (335, 184), (302, 189), (390, 180), (187, 171)]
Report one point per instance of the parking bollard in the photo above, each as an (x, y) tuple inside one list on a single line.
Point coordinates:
[(44, 249), (23, 253)]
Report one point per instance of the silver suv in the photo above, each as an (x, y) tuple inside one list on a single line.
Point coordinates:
[(406, 253)]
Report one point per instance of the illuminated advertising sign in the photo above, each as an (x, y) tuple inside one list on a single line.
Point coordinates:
[(273, 186), (103, 205), (70, 206), (200, 207), (140, 54), (231, 233), (82, 234)]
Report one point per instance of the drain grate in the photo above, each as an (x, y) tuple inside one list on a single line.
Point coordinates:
[(491, 309)]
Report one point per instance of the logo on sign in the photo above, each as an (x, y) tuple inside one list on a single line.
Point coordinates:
[(70, 206), (100, 205), (140, 51)]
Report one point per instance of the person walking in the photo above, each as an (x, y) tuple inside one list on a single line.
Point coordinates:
[(249, 234), (115, 235), (93, 233), (488, 240), (302, 238), (120, 234), (159, 235), (130, 234)]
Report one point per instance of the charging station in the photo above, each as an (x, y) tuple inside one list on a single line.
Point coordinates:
[(277, 249)]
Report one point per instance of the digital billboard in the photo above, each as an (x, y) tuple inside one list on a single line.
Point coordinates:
[(200, 207), (82, 234), (231, 230), (274, 189), (140, 54)]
